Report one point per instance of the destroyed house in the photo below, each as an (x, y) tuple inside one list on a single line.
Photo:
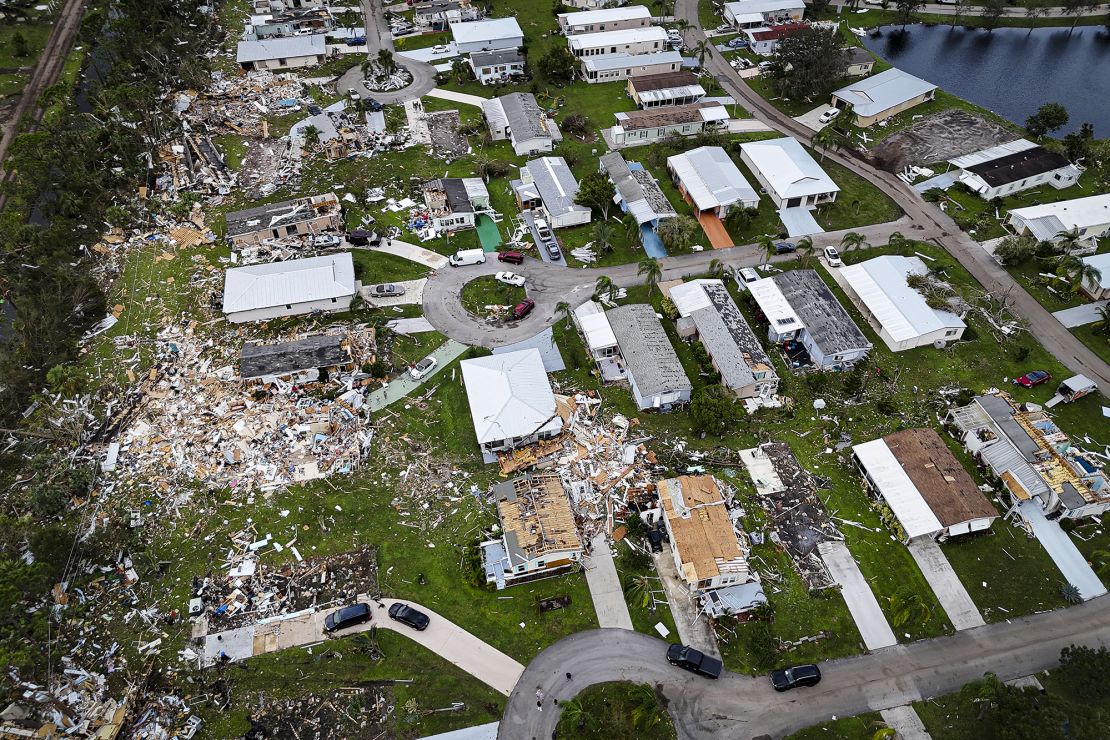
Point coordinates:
[(1032, 458), (732, 346), (511, 402), (672, 88), (292, 22), (1012, 167), (800, 308), (288, 52), (539, 537), (520, 119), (925, 486), (638, 127), (439, 14), (288, 218), (637, 191), (275, 289), (704, 544), (454, 202), (300, 356), (655, 374)]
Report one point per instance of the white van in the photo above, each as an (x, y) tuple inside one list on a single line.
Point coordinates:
[(467, 257)]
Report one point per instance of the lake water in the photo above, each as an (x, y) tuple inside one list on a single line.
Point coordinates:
[(1011, 71)]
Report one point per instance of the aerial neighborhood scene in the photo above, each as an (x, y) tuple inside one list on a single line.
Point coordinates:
[(513, 370)]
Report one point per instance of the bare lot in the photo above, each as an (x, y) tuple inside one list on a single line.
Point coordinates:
[(935, 138)]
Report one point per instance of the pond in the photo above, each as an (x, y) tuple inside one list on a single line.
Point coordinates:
[(1011, 71)]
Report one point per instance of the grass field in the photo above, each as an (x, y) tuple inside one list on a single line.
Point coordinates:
[(860, 727), (480, 293), (616, 711)]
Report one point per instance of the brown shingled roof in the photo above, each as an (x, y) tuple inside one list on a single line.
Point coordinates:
[(947, 488), (663, 81)]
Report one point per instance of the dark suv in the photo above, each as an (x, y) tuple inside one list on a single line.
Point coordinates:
[(346, 617), (405, 614), (792, 678), (693, 660)]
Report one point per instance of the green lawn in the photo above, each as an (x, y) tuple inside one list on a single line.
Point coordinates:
[(378, 267), (480, 293), (1092, 537), (860, 727), (1095, 337), (639, 579), (616, 711), (857, 204)]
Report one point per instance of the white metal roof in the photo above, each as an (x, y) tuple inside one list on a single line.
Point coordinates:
[(599, 333), (509, 394), (492, 29), (283, 47), (902, 311), (669, 93), (774, 305), (285, 283), (763, 6), (897, 489), (616, 38), (799, 221), (710, 177), (1100, 262), (1082, 213), (992, 153), (604, 15), (603, 62), (689, 297), (883, 91), (787, 167)]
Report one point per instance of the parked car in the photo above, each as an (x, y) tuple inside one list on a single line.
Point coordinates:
[(765, 65), (553, 250), (439, 49), (387, 290), (353, 94), (374, 105), (513, 258), (791, 678), (405, 614), (784, 247), (828, 115), (356, 41), (326, 241), (1033, 378), (543, 229), (833, 257), (422, 368), (746, 275), (346, 617), (467, 257), (692, 660), (510, 278), (314, 109), (363, 237), (737, 43), (523, 308)]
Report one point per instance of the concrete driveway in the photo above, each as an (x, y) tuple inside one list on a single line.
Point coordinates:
[(812, 119), (413, 295), (403, 384), (862, 604), (605, 585), (428, 56), (414, 253), (946, 584)]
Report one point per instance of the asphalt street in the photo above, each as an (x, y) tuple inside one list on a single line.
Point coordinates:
[(378, 37), (743, 707)]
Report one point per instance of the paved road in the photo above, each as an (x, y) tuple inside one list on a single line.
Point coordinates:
[(549, 284), (929, 222), (378, 37), (742, 707)]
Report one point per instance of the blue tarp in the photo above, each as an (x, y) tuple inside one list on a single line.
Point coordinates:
[(653, 245)]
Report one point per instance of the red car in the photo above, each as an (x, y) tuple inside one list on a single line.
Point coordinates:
[(1034, 378), (513, 258), (523, 308)]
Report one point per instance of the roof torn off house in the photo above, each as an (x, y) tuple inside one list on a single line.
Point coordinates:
[(788, 494)]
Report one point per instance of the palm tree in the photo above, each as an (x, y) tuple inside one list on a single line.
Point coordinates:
[(767, 244), (645, 710), (311, 136), (853, 240), (909, 606), (1103, 323), (576, 714), (652, 271), (985, 692), (631, 226), (805, 250), (1033, 12), (701, 49), (1067, 241), (716, 268), (564, 308), (1076, 271), (1100, 559), (824, 139), (603, 235), (638, 589), (897, 241), (604, 287)]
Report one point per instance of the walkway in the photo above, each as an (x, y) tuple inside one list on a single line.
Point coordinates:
[(605, 585), (693, 629), (1056, 542), (715, 231), (488, 233), (950, 591), (414, 253), (906, 723), (403, 384), (1080, 315), (456, 97), (869, 618), (443, 637)]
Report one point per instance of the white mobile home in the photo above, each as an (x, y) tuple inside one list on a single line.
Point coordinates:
[(275, 289), (606, 19), (790, 175)]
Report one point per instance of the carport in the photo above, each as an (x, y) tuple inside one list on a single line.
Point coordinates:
[(799, 221), (715, 230)]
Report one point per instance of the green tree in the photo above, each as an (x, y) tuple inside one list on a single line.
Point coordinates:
[(460, 70), (1016, 250), (907, 9), (805, 249), (1075, 8), (651, 270), (958, 8), (808, 63), (631, 227), (564, 308), (825, 139), (311, 136), (386, 61), (897, 241), (1032, 13), (645, 707), (604, 287), (1048, 118), (603, 236), (991, 12), (576, 715), (909, 606), (595, 191), (20, 47), (701, 49), (558, 65), (716, 268), (677, 232), (714, 411), (767, 244), (853, 240), (1078, 143), (1103, 326)]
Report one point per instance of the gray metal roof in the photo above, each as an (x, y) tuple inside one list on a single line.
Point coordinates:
[(638, 189), (883, 91), (281, 48), (603, 62), (525, 118), (1002, 414), (492, 58), (647, 350), (825, 320), (729, 340), (711, 178), (256, 360), (556, 185)]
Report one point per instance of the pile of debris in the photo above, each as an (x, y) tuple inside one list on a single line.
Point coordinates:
[(447, 141), (240, 104), (355, 711), (382, 79)]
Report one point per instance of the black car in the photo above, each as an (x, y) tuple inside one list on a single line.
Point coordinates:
[(346, 617), (693, 660), (792, 678), (405, 614)]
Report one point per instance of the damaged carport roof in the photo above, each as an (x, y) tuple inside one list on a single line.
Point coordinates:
[(257, 360)]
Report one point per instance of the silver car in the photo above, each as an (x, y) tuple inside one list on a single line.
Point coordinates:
[(387, 290)]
